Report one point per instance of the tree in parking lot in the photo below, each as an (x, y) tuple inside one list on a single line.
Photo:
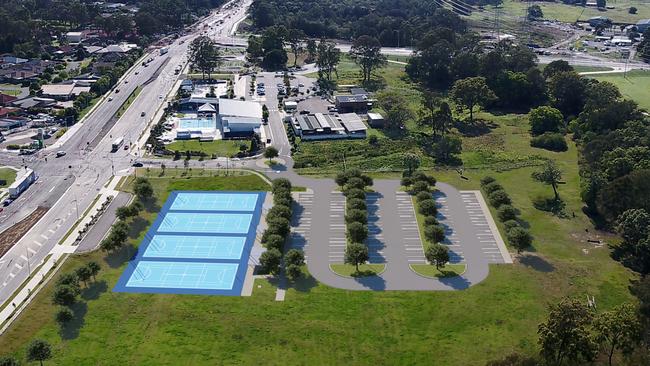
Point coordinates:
[(204, 55), (437, 254), (295, 257), (356, 254), (366, 52), (270, 153), (357, 232), (434, 233)]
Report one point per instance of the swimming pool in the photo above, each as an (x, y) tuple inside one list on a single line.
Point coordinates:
[(183, 275), (184, 222), (195, 246), (197, 123), (201, 201)]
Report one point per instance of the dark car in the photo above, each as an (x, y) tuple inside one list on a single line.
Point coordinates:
[(7, 202), (137, 164), (305, 112)]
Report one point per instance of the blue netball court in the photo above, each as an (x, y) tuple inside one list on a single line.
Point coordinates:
[(199, 244)]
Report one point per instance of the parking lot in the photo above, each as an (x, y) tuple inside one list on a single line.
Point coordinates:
[(486, 237)]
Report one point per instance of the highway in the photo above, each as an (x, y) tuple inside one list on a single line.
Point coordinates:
[(69, 184)]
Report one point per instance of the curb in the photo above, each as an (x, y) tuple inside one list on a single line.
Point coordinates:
[(436, 278)]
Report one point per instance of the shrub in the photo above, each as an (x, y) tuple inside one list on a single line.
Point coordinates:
[(282, 201), (274, 241), (355, 182), (63, 315), (419, 186), (356, 216), (506, 213), (519, 238), (280, 211), (356, 204), (355, 193), (293, 272), (422, 196), (434, 233), (295, 257), (64, 295), (270, 261), (491, 187), (421, 177), (550, 141), (281, 183), (487, 180), (280, 225), (406, 181), (510, 224), (428, 207), (498, 198), (357, 232), (430, 220)]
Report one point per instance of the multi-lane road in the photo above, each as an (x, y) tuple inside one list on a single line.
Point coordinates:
[(69, 184)]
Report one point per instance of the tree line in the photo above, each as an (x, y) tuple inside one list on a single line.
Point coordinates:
[(394, 23)]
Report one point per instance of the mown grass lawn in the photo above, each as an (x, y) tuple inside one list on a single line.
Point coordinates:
[(570, 13), (428, 270), (635, 85), (349, 270), (8, 175), (227, 148)]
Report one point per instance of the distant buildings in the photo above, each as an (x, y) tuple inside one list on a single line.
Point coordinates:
[(358, 101), (64, 91), (320, 126)]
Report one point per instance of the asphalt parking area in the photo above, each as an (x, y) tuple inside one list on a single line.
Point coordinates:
[(301, 221), (487, 236), (411, 240), (376, 239), (336, 240)]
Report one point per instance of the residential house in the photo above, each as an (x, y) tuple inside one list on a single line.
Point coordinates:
[(6, 99)]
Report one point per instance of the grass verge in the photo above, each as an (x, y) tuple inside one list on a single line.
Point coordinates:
[(8, 175), (128, 101), (365, 270), (427, 270), (226, 148)]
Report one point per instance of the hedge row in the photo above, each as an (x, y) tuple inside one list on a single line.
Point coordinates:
[(518, 237), (278, 221), (353, 185)]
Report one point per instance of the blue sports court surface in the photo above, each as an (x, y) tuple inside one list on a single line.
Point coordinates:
[(195, 246), (199, 244)]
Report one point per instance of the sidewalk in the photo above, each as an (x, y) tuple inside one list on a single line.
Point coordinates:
[(56, 256)]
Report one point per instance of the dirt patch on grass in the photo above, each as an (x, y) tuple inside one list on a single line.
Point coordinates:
[(10, 236)]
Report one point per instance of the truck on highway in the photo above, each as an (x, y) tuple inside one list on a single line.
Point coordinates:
[(117, 143), (24, 179), (164, 50)]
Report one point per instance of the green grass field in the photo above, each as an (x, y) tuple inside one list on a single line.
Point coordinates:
[(636, 85), (569, 13), (227, 148), (8, 175)]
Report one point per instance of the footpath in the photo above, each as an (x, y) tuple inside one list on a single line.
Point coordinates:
[(47, 268)]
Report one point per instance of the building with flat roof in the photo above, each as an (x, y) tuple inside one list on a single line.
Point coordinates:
[(358, 103), (74, 37), (375, 120), (354, 126), (239, 118), (63, 91), (320, 126)]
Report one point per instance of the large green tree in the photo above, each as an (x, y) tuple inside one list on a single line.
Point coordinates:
[(204, 55), (551, 175), (39, 350), (565, 335), (437, 255), (356, 254), (471, 92), (618, 329), (327, 58), (366, 52)]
